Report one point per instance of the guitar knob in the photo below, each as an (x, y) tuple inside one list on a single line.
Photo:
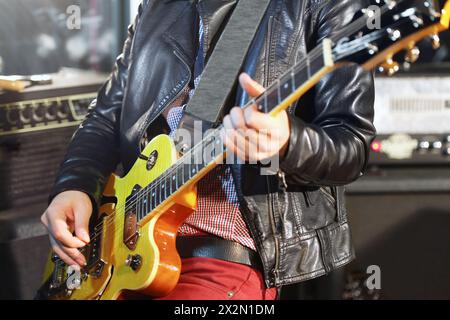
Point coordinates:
[(390, 67), (12, 116), (25, 113), (412, 55), (134, 262), (435, 41), (38, 112)]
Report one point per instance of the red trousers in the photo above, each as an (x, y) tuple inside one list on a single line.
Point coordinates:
[(211, 279)]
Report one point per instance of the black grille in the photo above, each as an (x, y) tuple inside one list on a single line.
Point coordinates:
[(28, 165)]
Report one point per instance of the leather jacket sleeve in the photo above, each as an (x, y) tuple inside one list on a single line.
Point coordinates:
[(333, 129), (93, 153)]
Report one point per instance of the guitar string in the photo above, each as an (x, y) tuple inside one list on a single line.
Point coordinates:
[(157, 182), (161, 180)]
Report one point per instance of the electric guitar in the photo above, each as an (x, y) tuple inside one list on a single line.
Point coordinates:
[(133, 240)]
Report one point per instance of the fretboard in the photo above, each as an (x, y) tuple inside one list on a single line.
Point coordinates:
[(203, 157)]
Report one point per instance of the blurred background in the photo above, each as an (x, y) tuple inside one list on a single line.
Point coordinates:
[(399, 212)]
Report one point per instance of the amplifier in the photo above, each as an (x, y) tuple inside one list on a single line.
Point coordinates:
[(411, 149), (412, 117), (35, 128)]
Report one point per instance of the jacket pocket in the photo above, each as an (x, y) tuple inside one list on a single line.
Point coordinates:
[(329, 194), (319, 209)]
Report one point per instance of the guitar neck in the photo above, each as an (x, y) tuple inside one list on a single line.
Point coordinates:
[(210, 151)]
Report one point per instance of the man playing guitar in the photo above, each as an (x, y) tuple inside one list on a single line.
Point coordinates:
[(261, 232)]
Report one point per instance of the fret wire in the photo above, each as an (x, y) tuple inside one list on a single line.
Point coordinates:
[(144, 205), (179, 176), (163, 188), (141, 211), (190, 170), (160, 192), (279, 91), (142, 208), (151, 206), (167, 191), (265, 103), (170, 184), (142, 215), (308, 66), (196, 162), (182, 173), (137, 212), (294, 87), (286, 88), (154, 197), (147, 200), (138, 207), (173, 182)]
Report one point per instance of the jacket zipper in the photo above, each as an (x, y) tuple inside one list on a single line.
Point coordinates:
[(274, 232), (177, 95), (275, 270), (269, 46)]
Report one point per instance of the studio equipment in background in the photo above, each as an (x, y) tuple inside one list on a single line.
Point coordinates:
[(36, 126)]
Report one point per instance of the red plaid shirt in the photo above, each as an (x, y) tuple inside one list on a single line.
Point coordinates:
[(216, 214), (218, 207)]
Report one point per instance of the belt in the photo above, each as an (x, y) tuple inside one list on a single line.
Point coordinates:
[(217, 248)]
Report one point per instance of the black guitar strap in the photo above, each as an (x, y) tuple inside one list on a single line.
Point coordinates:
[(220, 74)]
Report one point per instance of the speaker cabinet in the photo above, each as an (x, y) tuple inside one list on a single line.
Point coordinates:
[(407, 236), (400, 220), (24, 248)]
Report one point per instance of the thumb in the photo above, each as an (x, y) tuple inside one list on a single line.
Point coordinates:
[(252, 87), (82, 214)]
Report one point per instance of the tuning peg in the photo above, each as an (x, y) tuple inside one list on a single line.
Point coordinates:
[(435, 41), (412, 54), (390, 67)]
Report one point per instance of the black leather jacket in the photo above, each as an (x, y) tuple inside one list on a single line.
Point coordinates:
[(300, 232)]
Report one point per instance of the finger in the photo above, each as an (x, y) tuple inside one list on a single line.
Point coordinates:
[(74, 254), (257, 146), (237, 118), (245, 144), (60, 253), (44, 220), (252, 87), (60, 231), (258, 120), (229, 137), (82, 217)]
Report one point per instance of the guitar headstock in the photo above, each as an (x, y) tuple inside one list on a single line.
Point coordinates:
[(389, 27)]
